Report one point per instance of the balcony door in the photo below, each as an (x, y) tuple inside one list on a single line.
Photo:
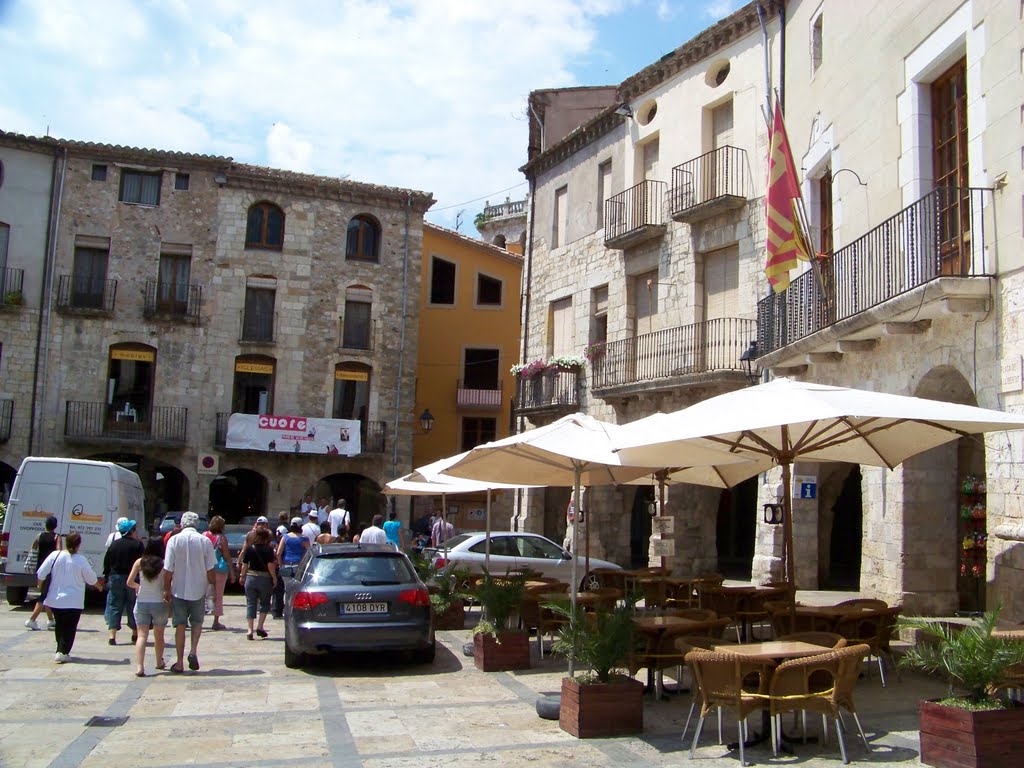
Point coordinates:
[(949, 136), (130, 383), (89, 278), (172, 286), (715, 173), (721, 301)]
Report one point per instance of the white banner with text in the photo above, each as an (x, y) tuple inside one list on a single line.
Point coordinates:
[(293, 434)]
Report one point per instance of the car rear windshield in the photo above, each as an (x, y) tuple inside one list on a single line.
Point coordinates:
[(454, 541), (364, 570)]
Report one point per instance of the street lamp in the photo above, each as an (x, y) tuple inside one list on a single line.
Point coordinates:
[(749, 361), (426, 420)]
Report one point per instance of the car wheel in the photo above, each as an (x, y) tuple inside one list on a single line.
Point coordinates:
[(16, 595), (425, 655), (292, 660)]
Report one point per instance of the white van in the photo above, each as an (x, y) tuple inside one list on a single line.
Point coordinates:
[(84, 496)]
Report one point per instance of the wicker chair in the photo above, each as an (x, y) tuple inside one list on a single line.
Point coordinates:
[(873, 629), (720, 681), (688, 643), (797, 686)]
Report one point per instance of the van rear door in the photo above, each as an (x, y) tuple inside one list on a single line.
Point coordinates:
[(39, 493), (88, 509)]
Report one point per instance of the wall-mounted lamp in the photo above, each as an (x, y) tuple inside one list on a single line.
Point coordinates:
[(773, 513), (426, 420), (652, 508), (624, 110), (220, 179), (749, 361)]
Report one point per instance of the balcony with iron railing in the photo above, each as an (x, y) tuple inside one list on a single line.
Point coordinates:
[(99, 422), (550, 392), (6, 419), (708, 185), (710, 347), (478, 396), (172, 301), (86, 294), (257, 327), (635, 216), (926, 261), (11, 281), (372, 435)]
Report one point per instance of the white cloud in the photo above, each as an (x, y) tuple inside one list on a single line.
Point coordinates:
[(719, 9), (664, 11), (427, 94)]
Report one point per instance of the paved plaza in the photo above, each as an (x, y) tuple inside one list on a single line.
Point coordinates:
[(243, 708)]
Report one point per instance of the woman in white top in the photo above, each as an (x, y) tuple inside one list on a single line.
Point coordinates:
[(69, 572), (147, 579)]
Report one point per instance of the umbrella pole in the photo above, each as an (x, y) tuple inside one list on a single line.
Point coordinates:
[(787, 518), (487, 539), (586, 534), (574, 569)]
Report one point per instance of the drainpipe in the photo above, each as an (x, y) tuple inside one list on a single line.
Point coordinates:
[(45, 292), (401, 345), (782, 56), (526, 325), (761, 17)]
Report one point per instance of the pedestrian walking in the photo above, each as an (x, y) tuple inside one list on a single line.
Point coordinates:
[(259, 578), (46, 542), (312, 529), (340, 521), (69, 573), (393, 529), (441, 531), (290, 549), (146, 578), (188, 567), (117, 565), (223, 572), (374, 534)]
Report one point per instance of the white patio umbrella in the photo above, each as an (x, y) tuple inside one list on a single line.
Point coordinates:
[(784, 421), (576, 450)]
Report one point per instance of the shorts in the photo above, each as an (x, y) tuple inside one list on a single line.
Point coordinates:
[(190, 612), (151, 614)]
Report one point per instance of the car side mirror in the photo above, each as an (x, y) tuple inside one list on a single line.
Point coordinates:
[(566, 554)]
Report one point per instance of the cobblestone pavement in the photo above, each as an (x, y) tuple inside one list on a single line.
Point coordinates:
[(243, 708)]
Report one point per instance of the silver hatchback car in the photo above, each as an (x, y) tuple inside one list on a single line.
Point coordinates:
[(512, 551), (352, 597)]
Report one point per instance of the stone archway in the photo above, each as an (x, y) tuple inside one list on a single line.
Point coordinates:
[(363, 497), (237, 494), (735, 526), (165, 486)]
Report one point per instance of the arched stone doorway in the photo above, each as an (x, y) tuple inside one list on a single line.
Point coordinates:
[(840, 528), (640, 527), (363, 497), (238, 493), (166, 487), (7, 475), (736, 525)]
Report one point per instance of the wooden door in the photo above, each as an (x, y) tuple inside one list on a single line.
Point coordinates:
[(715, 173), (949, 136)]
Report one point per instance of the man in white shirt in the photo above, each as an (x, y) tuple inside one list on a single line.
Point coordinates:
[(312, 529), (189, 563), (307, 504), (339, 520), (375, 534), (441, 531)]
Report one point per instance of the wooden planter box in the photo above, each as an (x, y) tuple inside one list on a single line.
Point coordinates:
[(602, 709), (453, 618), (512, 653), (956, 738)]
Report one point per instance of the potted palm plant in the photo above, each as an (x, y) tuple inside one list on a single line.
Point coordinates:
[(971, 726), (447, 600), (604, 700), (497, 646)]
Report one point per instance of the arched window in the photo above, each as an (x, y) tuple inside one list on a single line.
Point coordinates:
[(253, 390), (130, 369), (351, 391), (363, 240), (265, 227)]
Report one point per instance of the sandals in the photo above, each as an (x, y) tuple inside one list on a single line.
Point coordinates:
[(261, 633), (177, 669), (193, 662), (249, 635), (161, 664), (140, 674)]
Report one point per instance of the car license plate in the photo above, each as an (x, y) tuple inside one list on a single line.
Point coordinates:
[(353, 608)]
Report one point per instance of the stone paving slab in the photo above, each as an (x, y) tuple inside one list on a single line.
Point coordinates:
[(244, 708)]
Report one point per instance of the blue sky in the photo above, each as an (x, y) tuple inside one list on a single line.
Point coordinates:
[(427, 94)]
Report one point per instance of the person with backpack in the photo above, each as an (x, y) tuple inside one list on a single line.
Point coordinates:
[(46, 542), (223, 571)]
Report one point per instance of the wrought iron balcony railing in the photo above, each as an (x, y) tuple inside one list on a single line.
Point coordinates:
[(551, 390), (713, 345), (164, 424), (715, 181), (174, 300), (6, 419), (372, 434), (257, 327), (478, 397), (11, 281), (940, 235), (635, 215), (87, 294)]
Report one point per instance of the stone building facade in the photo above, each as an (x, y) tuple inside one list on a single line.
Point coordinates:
[(182, 289), (906, 129)]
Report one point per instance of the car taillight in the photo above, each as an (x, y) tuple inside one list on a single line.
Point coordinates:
[(417, 598), (440, 563), (307, 601), (5, 538)]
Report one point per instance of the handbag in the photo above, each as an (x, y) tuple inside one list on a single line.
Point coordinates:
[(222, 563), (31, 564)]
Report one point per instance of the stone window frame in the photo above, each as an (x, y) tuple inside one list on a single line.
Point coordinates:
[(127, 173), (500, 303), (262, 243), (363, 222)]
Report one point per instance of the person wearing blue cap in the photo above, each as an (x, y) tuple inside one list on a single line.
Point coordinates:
[(117, 566)]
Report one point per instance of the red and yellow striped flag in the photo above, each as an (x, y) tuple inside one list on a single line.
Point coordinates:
[(786, 241)]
